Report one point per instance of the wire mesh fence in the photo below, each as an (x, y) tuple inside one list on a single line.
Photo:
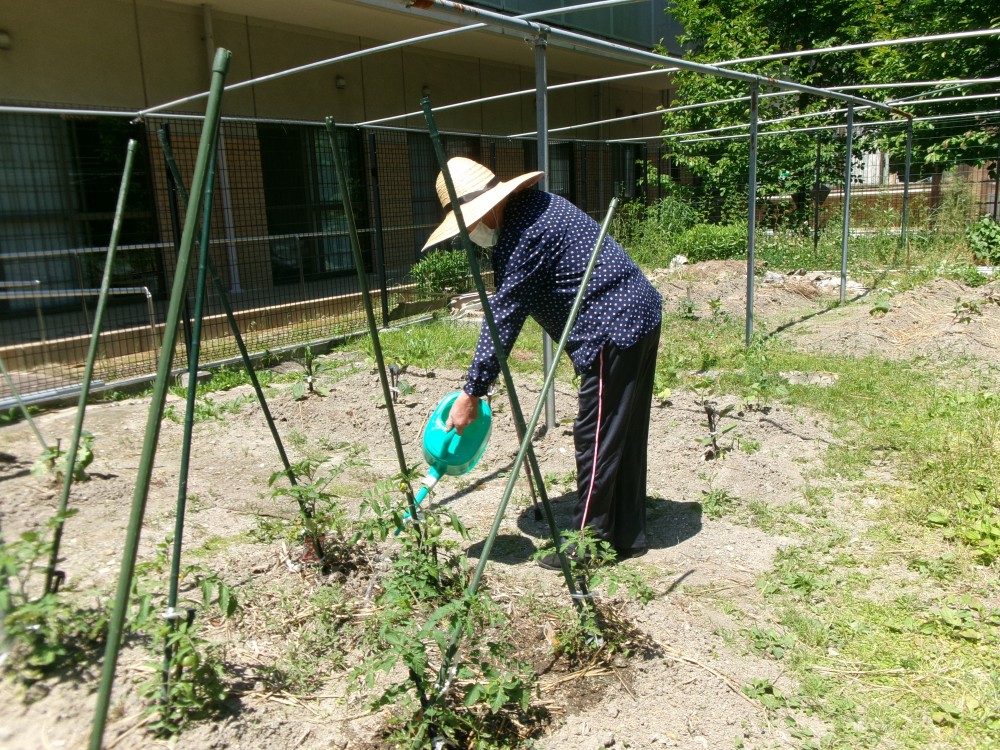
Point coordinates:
[(279, 237), (278, 233)]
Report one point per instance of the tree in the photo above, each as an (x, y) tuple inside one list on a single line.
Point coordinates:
[(721, 30)]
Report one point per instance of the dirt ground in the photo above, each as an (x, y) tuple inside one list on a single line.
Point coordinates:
[(682, 692)]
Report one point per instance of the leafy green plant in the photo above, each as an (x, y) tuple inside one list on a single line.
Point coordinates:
[(705, 391), (984, 240), (712, 242), (44, 634), (188, 683), (686, 307), (322, 516), (308, 385), (880, 308), (53, 461), (442, 272), (206, 409), (716, 502), (648, 231), (422, 607), (765, 691), (769, 641), (965, 309), (760, 392)]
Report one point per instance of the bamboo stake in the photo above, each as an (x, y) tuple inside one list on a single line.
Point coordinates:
[(209, 131)]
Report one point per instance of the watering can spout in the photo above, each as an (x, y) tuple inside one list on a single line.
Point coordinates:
[(447, 452)]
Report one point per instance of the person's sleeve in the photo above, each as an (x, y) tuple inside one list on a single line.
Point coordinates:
[(511, 304)]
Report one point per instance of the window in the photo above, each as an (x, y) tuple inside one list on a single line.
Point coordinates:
[(306, 219)]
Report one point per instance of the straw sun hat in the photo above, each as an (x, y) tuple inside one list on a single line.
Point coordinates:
[(478, 190)]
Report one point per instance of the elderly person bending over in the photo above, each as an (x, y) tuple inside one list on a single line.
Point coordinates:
[(541, 245)]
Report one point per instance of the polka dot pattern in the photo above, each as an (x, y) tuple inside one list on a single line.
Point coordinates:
[(539, 261)]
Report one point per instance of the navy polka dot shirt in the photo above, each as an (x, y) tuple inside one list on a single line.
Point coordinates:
[(539, 261)]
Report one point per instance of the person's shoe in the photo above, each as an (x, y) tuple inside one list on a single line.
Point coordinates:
[(628, 554), (551, 560)]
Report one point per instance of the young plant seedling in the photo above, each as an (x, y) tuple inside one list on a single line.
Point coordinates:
[(308, 385), (53, 460), (704, 388)]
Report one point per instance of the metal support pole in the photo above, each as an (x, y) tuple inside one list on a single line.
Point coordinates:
[(154, 344), (542, 126), (383, 284), (816, 193), (848, 159), (155, 415), (752, 209), (88, 369), (996, 186), (904, 220)]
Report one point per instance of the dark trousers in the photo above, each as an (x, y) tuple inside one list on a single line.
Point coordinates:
[(611, 433)]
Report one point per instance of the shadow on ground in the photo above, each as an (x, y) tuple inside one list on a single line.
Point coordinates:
[(668, 523)]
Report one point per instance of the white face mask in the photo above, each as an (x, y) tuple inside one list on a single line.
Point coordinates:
[(483, 236)]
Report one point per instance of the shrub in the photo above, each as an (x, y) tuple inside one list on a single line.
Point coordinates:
[(442, 272), (712, 242), (649, 232), (984, 240)]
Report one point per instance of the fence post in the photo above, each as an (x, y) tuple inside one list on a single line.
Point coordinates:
[(847, 203), (816, 192), (904, 220), (996, 186), (752, 209)]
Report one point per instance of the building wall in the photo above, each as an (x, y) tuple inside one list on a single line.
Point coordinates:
[(135, 54)]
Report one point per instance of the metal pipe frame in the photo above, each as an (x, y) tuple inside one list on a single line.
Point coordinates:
[(542, 123), (816, 128), (113, 291), (370, 50), (849, 147), (446, 10)]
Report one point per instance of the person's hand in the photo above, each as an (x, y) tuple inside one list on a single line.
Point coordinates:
[(464, 412)]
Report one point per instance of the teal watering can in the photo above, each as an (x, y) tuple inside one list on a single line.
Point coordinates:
[(447, 452)]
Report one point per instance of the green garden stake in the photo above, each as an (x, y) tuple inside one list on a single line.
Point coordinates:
[(88, 371), (345, 196), (24, 409), (172, 615), (116, 624), (515, 406), (227, 307)]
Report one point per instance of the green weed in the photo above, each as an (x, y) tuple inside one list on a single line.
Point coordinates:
[(45, 633)]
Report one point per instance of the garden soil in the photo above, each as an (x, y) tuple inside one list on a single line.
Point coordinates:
[(681, 688)]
